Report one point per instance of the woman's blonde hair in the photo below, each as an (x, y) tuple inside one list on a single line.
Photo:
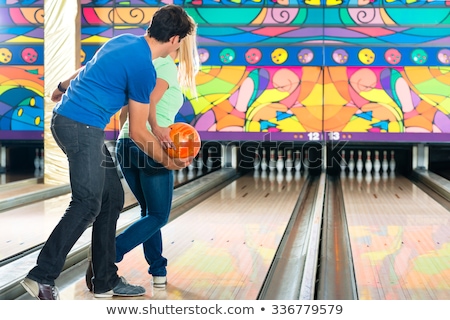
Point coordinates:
[(188, 62)]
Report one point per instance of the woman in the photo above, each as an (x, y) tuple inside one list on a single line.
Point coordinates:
[(150, 182)]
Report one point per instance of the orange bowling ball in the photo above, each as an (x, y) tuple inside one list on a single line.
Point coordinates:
[(186, 140)]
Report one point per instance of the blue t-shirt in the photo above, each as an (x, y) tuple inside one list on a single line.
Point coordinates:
[(121, 69)]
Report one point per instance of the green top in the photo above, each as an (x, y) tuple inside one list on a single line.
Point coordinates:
[(170, 102)]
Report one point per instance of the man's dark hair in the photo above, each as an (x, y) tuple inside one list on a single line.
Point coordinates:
[(170, 20)]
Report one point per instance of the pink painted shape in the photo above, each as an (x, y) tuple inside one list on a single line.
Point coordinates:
[(17, 16), (91, 16)]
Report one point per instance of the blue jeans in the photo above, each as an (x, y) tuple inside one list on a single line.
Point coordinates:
[(97, 199), (152, 185)]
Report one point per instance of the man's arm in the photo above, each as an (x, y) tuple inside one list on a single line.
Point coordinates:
[(147, 142)]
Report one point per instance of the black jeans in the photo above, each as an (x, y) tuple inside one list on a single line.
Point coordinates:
[(97, 199)]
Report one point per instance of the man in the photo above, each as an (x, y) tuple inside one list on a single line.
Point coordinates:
[(121, 73)]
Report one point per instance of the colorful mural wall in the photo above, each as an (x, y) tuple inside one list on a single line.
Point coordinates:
[(280, 70), (21, 70)]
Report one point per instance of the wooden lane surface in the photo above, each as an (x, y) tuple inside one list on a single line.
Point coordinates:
[(400, 239), (220, 249)]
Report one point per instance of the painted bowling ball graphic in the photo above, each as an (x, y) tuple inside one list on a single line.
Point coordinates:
[(392, 56), (29, 55), (340, 56), (227, 55), (203, 55), (5, 55), (366, 56), (305, 56), (419, 56), (253, 55), (186, 140), (279, 56), (444, 56)]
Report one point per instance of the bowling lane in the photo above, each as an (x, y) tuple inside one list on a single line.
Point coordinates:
[(400, 239), (220, 249), (25, 227)]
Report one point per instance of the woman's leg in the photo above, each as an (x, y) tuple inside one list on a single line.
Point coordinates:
[(157, 189)]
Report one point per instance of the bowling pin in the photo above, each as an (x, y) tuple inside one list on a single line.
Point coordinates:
[(209, 161), (41, 161), (191, 166), (280, 162), (289, 164), (190, 175), (385, 163), (359, 162), (257, 161), (306, 161), (343, 163), (376, 162), (180, 176), (36, 160), (200, 161), (298, 161), (264, 160), (272, 161), (392, 163), (351, 162), (368, 164)]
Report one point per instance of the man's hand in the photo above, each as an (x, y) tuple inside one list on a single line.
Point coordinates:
[(179, 163), (57, 95)]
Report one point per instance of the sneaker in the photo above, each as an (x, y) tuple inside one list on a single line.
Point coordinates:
[(159, 282), (40, 291), (122, 289)]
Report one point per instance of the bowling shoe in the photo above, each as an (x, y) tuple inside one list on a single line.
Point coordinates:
[(40, 291)]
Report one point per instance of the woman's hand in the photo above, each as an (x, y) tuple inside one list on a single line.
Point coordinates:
[(163, 135)]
